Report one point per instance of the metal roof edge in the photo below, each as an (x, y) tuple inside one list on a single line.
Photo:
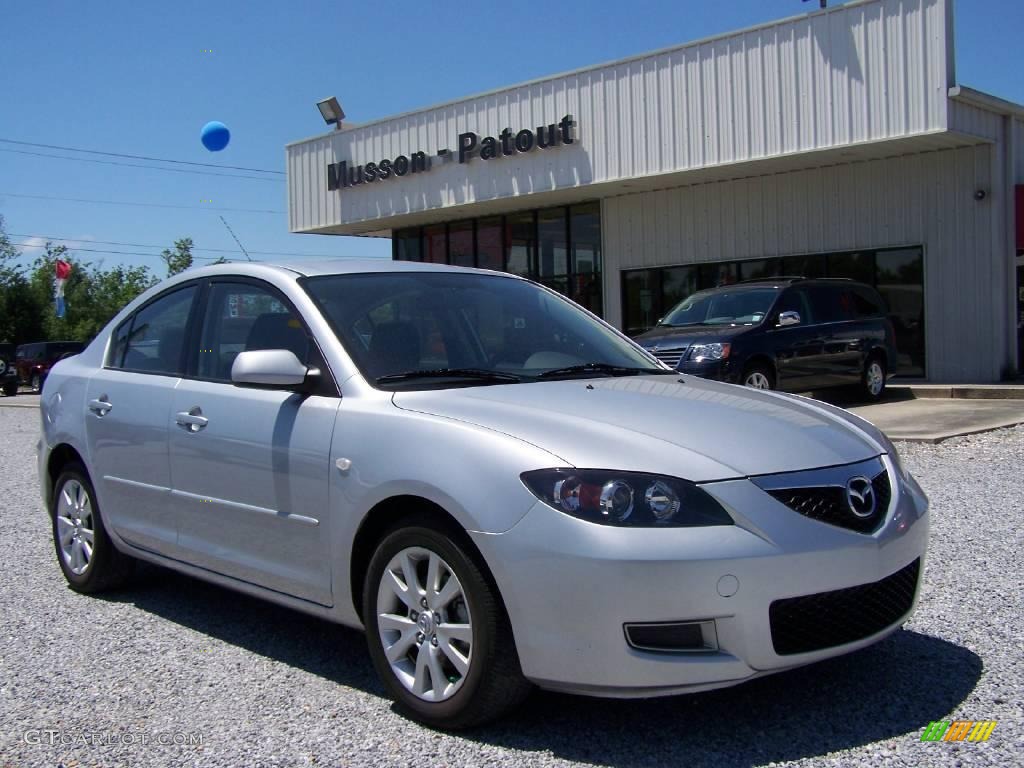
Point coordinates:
[(987, 101)]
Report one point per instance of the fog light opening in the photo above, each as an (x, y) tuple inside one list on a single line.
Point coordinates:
[(673, 637)]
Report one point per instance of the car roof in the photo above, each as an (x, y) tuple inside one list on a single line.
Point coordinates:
[(318, 267)]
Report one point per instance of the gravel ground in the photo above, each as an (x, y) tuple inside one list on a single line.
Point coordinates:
[(251, 684)]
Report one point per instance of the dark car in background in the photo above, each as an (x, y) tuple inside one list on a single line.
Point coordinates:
[(35, 360), (787, 333), (8, 370)]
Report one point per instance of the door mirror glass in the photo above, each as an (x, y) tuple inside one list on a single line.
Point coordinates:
[(277, 368), (788, 318)]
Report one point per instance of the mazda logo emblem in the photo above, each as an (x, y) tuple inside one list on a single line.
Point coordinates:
[(860, 497)]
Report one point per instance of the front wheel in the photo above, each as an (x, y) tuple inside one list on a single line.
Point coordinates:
[(437, 631), (11, 388), (758, 377), (873, 378), (36, 384)]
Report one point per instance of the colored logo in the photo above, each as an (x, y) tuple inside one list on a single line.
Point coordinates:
[(860, 496), (959, 730)]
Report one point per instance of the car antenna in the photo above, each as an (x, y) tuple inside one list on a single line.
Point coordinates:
[(236, 239)]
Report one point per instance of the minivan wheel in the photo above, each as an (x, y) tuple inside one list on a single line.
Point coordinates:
[(437, 631), (758, 377), (84, 551), (37, 383), (11, 388), (873, 378)]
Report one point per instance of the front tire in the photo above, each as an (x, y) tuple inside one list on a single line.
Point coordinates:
[(86, 555), (758, 377), (36, 384), (11, 389), (437, 631), (873, 377)]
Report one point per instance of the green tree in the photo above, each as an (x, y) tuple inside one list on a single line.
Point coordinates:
[(92, 294), (180, 258), (20, 311)]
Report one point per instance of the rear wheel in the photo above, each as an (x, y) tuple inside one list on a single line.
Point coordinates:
[(759, 377), (873, 378), (86, 555), (437, 631)]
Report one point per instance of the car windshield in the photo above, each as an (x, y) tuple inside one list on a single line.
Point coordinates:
[(741, 306), (430, 329)]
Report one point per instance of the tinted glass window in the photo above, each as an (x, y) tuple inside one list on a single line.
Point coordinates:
[(825, 304), (407, 245), (855, 266), (735, 307), (490, 250), (795, 300), (460, 244), (242, 317), (157, 337)]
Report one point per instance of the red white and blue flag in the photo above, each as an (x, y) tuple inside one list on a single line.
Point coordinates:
[(61, 270)]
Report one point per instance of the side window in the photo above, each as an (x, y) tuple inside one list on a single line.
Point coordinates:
[(242, 317), (120, 344), (867, 303), (825, 304), (156, 340)]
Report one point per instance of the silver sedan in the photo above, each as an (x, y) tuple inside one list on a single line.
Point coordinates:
[(504, 490)]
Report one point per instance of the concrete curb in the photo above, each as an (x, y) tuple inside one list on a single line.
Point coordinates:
[(962, 392)]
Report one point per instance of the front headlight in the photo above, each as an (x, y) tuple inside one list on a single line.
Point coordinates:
[(626, 498), (700, 353)]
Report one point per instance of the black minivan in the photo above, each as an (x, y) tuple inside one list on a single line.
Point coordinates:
[(787, 333)]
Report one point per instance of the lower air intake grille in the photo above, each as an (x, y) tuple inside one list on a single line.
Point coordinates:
[(828, 619)]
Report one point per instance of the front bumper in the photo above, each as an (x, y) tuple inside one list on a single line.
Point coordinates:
[(718, 370), (571, 586)]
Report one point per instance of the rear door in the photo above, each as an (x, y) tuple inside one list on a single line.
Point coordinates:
[(127, 406), (250, 467)]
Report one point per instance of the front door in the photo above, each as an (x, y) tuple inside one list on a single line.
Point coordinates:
[(797, 348), (250, 467), (126, 410)]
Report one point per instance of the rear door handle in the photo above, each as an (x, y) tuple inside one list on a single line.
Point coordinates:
[(191, 420), (101, 406)]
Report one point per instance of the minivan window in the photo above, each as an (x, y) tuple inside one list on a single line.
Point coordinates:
[(737, 307), (156, 339)]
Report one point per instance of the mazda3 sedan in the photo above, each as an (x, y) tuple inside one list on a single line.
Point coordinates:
[(502, 489)]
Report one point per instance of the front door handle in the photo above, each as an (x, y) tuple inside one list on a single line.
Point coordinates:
[(100, 406), (191, 420)]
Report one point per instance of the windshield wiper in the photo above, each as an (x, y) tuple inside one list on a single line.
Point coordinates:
[(611, 370), (452, 373)]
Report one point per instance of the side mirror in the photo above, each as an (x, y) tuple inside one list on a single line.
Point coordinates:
[(788, 318), (275, 368)]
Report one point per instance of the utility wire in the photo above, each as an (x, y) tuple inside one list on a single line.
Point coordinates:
[(121, 253), (143, 205), (55, 238), (139, 157), (139, 165), (236, 238)]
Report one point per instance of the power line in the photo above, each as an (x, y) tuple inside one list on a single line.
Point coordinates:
[(120, 253), (138, 165), (142, 205), (139, 157), (232, 232), (147, 245)]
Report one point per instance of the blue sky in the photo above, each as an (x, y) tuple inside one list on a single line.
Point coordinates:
[(134, 77)]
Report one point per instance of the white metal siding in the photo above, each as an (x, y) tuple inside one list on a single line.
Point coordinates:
[(860, 72), (923, 199)]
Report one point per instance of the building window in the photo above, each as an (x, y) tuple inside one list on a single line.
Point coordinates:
[(558, 247), (897, 274)]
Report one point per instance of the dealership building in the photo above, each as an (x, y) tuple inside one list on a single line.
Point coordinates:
[(837, 143)]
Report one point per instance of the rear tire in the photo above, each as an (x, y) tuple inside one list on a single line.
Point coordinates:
[(442, 644), (872, 379), (85, 553), (758, 376)]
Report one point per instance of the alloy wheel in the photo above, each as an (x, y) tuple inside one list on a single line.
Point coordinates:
[(424, 624), (75, 526), (875, 378), (757, 380)]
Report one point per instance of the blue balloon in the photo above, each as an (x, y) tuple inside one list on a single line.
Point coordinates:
[(215, 136)]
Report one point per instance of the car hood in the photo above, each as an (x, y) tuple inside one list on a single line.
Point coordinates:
[(696, 429), (666, 337)]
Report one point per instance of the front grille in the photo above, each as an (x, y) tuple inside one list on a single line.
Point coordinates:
[(828, 619), (829, 504), (669, 356)]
